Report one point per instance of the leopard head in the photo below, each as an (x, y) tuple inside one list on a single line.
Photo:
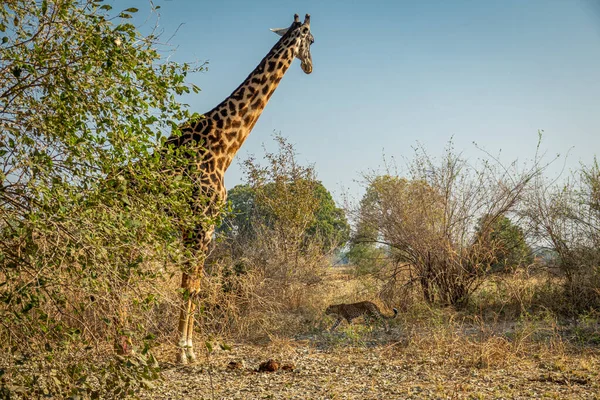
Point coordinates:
[(331, 310)]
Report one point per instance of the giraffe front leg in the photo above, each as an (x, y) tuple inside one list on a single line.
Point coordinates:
[(182, 328), (189, 348), (185, 351)]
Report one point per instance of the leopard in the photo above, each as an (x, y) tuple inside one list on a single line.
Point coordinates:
[(365, 309)]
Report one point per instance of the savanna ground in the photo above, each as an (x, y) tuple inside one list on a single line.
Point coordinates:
[(428, 353)]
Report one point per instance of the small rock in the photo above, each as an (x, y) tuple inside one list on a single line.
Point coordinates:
[(288, 367), (235, 365), (268, 366)]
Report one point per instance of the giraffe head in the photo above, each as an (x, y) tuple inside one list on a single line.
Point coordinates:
[(299, 33)]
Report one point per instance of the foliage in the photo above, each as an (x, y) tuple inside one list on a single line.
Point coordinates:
[(118, 377), (330, 225), (84, 102), (510, 250)]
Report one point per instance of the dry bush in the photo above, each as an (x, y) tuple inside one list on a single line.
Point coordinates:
[(437, 225), (509, 296), (564, 220), (466, 339)]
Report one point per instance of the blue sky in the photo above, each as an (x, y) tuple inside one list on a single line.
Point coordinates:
[(389, 74)]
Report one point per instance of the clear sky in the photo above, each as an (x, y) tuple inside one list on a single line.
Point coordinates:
[(389, 74)]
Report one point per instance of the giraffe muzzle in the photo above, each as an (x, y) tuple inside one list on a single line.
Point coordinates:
[(306, 67)]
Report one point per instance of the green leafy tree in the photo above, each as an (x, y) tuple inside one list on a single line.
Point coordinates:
[(84, 102), (506, 242), (329, 226), (367, 252)]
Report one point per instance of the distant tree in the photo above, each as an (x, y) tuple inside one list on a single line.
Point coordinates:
[(506, 241), (242, 210), (329, 226)]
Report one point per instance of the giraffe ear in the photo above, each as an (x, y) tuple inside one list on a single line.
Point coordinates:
[(280, 31)]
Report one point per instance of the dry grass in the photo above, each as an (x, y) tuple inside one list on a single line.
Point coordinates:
[(507, 344), (430, 352)]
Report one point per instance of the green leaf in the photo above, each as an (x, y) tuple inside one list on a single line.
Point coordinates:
[(225, 347), (132, 10), (106, 7), (209, 346)]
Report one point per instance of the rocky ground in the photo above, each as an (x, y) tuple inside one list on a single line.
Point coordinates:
[(386, 367)]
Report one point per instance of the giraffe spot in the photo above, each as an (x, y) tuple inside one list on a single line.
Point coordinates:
[(220, 164), (236, 124), (256, 81), (280, 65), (231, 135), (217, 148), (196, 137), (220, 124), (248, 120), (216, 116), (264, 79), (199, 125), (243, 112), (257, 104), (251, 90), (239, 94), (265, 90), (223, 112), (228, 123), (204, 181), (209, 165), (242, 105), (231, 105), (272, 65)]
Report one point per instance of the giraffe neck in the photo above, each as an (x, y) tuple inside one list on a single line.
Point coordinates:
[(236, 115)]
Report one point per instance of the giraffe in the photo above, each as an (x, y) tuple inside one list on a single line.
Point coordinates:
[(220, 135)]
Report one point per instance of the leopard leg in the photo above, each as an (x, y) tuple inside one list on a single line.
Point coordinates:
[(385, 322), (335, 325)]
